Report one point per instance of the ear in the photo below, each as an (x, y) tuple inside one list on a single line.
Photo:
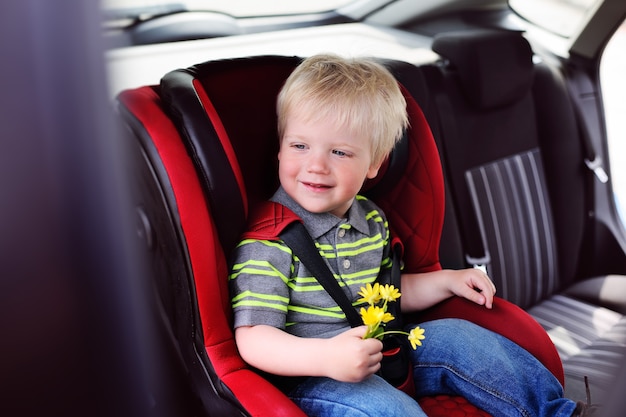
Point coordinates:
[(280, 148), (373, 170)]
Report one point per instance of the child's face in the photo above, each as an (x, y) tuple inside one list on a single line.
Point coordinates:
[(322, 166)]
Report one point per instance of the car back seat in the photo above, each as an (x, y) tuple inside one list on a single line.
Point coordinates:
[(514, 164), (208, 146)]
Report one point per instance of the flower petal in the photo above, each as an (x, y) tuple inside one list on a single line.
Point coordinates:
[(372, 316), (416, 336), (370, 294), (389, 293)]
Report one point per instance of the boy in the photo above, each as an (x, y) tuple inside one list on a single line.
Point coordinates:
[(338, 119)]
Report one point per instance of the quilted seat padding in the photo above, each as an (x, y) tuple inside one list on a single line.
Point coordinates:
[(415, 205), (447, 406)]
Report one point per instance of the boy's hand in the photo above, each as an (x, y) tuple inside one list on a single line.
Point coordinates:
[(473, 284), (352, 358)]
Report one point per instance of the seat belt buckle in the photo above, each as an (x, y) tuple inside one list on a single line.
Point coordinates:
[(479, 263), (598, 169)]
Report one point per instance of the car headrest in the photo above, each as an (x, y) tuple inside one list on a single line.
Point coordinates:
[(495, 67)]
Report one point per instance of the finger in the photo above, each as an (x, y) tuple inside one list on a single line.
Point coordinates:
[(374, 346), (357, 331), (374, 368), (472, 293), (483, 283), (487, 293), (486, 278), (476, 295), (374, 365), (488, 300), (375, 359), (493, 286)]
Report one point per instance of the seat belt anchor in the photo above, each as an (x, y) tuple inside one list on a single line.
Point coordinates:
[(479, 263), (598, 169)]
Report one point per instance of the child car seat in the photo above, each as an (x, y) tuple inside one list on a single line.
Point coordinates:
[(207, 145)]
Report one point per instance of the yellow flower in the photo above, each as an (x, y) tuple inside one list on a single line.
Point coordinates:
[(386, 318), (373, 315), (416, 336), (369, 294), (389, 293)]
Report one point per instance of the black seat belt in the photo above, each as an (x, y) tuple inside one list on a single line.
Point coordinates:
[(575, 82), (301, 243), (396, 362), (476, 254)]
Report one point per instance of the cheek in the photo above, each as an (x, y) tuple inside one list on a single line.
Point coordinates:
[(287, 167), (355, 176)]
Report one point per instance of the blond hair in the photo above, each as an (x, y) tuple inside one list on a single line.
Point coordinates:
[(358, 93)]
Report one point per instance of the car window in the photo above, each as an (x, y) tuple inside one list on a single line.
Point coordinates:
[(560, 17)]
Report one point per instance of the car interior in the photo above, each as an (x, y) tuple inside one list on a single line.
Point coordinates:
[(236, 166), (519, 190), (505, 166)]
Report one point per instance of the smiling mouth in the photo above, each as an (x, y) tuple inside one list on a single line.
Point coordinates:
[(316, 186)]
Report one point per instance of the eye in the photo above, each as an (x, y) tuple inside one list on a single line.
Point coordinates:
[(340, 153), (298, 146)]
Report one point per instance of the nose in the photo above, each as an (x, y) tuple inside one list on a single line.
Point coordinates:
[(317, 163)]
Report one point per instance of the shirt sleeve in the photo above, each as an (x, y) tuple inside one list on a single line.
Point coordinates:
[(258, 283)]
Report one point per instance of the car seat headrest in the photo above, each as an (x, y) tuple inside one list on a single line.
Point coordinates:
[(495, 67), (390, 171), (226, 114)]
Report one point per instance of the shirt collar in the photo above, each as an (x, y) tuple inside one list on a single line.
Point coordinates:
[(318, 224)]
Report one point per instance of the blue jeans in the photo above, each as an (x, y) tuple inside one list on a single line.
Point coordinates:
[(456, 358)]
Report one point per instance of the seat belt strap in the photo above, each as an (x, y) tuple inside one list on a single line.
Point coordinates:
[(301, 243), (592, 161), (476, 253)]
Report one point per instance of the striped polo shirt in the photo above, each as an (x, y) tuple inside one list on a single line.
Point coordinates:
[(270, 286)]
